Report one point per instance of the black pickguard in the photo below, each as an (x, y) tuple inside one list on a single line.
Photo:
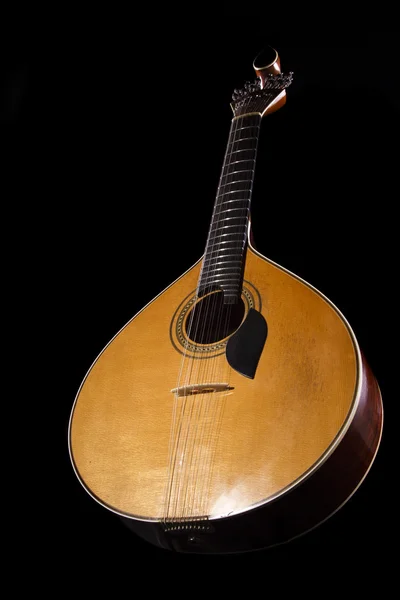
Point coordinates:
[(244, 347)]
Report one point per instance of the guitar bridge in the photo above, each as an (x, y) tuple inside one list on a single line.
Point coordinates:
[(201, 388)]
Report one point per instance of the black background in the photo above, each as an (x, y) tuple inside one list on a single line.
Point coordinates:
[(114, 144)]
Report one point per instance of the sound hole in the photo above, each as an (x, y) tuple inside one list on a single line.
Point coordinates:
[(211, 320)]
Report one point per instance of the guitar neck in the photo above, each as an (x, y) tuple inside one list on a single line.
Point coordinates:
[(225, 251)]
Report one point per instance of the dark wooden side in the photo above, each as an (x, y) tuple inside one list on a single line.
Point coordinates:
[(299, 510)]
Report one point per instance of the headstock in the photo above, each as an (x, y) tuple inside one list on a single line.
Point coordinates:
[(268, 92)]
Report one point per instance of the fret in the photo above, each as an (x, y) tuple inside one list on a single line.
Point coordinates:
[(231, 274), (233, 205), (244, 197), (233, 162), (241, 146), (251, 150), (232, 192), (247, 153), (249, 139), (248, 150), (241, 217), (239, 225), (220, 262), (213, 268), (248, 173), (246, 127), (251, 121), (233, 182), (214, 237), (238, 229), (218, 278), (252, 154), (227, 210), (251, 129), (228, 286), (215, 259), (249, 144), (234, 268), (249, 117), (231, 286), (227, 237), (232, 201), (242, 200), (235, 251), (209, 266), (239, 168), (243, 139), (236, 246), (242, 171), (241, 158)]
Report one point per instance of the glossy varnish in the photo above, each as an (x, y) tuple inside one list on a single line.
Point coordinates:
[(274, 430), (255, 462)]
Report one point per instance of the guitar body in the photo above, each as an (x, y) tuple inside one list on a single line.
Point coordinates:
[(269, 460)]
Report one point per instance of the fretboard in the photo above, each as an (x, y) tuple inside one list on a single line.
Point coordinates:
[(225, 253)]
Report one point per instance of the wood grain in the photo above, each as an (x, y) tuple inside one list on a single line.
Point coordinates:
[(272, 431)]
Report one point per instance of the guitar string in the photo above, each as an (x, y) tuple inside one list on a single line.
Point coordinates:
[(173, 453), (176, 429), (202, 401), (184, 402), (213, 420), (187, 511), (202, 442), (175, 434), (207, 418), (207, 439), (205, 311), (216, 422), (176, 425), (198, 419)]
